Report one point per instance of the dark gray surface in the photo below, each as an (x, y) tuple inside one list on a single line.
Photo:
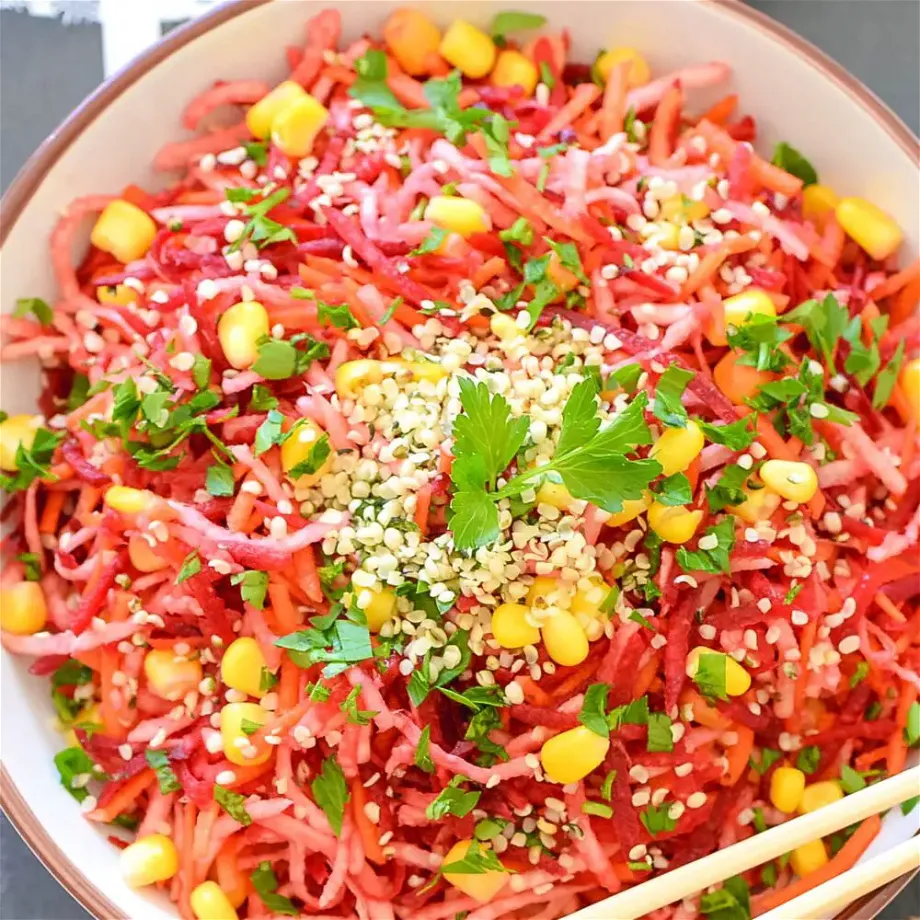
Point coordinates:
[(46, 69)]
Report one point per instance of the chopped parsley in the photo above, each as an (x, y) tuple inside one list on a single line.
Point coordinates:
[(715, 559), (355, 716), (265, 883), (785, 156), (452, 800), (330, 791), (166, 778), (808, 759), (668, 407), (253, 586)]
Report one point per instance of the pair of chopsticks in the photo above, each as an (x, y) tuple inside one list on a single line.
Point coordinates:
[(761, 848)]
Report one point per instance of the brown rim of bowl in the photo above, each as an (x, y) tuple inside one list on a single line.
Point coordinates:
[(30, 177)]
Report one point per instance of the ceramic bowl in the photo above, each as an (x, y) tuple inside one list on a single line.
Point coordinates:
[(795, 92)]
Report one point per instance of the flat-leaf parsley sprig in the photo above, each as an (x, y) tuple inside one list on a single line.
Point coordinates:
[(590, 459)]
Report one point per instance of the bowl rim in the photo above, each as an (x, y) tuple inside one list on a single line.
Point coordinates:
[(33, 172)]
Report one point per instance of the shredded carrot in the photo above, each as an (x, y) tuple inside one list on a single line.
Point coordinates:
[(370, 832), (125, 797), (738, 755), (613, 110), (288, 684), (51, 512), (719, 113), (897, 747), (704, 713), (664, 125), (422, 506), (585, 94), (896, 282), (490, 269), (241, 510), (285, 614), (889, 607), (308, 575), (806, 641)]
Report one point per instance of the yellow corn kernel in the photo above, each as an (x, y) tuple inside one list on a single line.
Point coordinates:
[(758, 506), (565, 639), (737, 680), (142, 556), (673, 523), (632, 508), (555, 494), (677, 448), (510, 627), (750, 302), (414, 370), (296, 449), (870, 226), (468, 48), (381, 609), (639, 71), (353, 376), (126, 500), (22, 608), (817, 795), (483, 886), (459, 215), (16, 430), (667, 235), (681, 209), (818, 202), (570, 756), (909, 380), (88, 715), (171, 676), (119, 294), (547, 591), (149, 860), (209, 902), (239, 331), (238, 745), (515, 69), (504, 327), (587, 602), (242, 666), (124, 230), (296, 126), (260, 116), (808, 858), (413, 40), (787, 785), (792, 479)]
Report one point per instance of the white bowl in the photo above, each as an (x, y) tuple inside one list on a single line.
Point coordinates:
[(795, 92)]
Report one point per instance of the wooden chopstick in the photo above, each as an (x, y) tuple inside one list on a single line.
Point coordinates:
[(761, 848), (837, 893)]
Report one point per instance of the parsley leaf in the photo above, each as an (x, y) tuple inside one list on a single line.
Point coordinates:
[(253, 586), (713, 560), (888, 376), (452, 800), (71, 763), (657, 820), (36, 306), (422, 756), (476, 861), (262, 399), (668, 406), (330, 790), (728, 490), (473, 519), (355, 716), (431, 243), (218, 480), (191, 565), (710, 675), (736, 436), (785, 156), (673, 490), (318, 454), (260, 228), (269, 433), (166, 778), (660, 738), (824, 324), (731, 902), (768, 757), (265, 883), (370, 88), (281, 359), (337, 645), (33, 462), (593, 713), (808, 759), (32, 565), (851, 780), (912, 728)]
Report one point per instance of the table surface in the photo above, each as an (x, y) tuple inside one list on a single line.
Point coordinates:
[(46, 68)]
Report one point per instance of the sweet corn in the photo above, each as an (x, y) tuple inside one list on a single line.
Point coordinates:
[(570, 756), (639, 71), (737, 680), (238, 746), (381, 609), (413, 40), (748, 303), (15, 431), (817, 795), (415, 370), (460, 215), (468, 48), (677, 448), (149, 860), (130, 501), (504, 327), (910, 384), (515, 69), (673, 523), (787, 785), (565, 639), (261, 116), (353, 376), (88, 715), (758, 506), (667, 236), (22, 608), (482, 886), (209, 902), (297, 448), (170, 675), (818, 202), (587, 602), (870, 226), (233, 881), (510, 627), (547, 591), (808, 858), (682, 210), (142, 556), (632, 508), (242, 666), (119, 294), (555, 494), (792, 479), (296, 126), (124, 230), (738, 381), (239, 331)]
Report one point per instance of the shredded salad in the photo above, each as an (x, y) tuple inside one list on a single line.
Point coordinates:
[(479, 482)]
